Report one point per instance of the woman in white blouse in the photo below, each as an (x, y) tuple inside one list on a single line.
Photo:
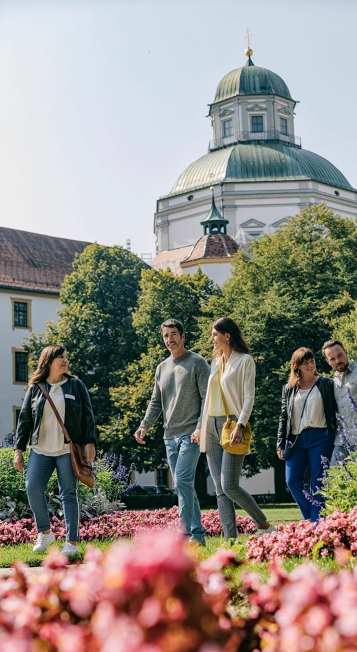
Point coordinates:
[(39, 427), (237, 367), (307, 428)]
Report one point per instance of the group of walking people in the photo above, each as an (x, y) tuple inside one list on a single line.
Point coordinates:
[(198, 404)]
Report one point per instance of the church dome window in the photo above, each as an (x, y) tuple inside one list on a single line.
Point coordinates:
[(190, 197), (256, 124), (284, 126), (337, 193), (227, 128)]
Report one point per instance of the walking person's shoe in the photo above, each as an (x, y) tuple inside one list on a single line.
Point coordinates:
[(43, 541), (69, 549), (269, 530)]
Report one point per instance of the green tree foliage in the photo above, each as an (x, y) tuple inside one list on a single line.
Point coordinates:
[(163, 295), (37, 341), (95, 325), (345, 330), (286, 293)]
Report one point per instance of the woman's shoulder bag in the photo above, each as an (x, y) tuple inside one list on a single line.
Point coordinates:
[(81, 469)]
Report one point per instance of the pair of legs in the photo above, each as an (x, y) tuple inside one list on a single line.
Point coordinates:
[(225, 470), (313, 448), (182, 456), (39, 471)]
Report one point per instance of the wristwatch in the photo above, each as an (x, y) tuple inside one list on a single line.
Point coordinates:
[(242, 426)]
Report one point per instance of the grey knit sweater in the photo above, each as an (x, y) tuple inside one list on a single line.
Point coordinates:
[(179, 393)]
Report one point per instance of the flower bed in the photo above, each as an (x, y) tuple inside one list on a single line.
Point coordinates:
[(137, 598), (151, 596), (119, 524), (305, 610), (307, 539)]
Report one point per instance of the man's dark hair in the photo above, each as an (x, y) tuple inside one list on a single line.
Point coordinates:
[(329, 344), (172, 323)]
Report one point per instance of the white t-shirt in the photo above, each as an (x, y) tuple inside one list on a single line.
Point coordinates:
[(51, 438), (314, 414)]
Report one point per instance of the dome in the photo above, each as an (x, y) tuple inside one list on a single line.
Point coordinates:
[(251, 80), (217, 245), (271, 161)]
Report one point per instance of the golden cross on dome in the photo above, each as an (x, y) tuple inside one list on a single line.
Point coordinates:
[(249, 50)]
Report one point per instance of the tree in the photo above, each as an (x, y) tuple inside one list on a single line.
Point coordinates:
[(163, 295), (95, 325), (286, 293)]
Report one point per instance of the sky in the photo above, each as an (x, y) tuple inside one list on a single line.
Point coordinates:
[(103, 103)]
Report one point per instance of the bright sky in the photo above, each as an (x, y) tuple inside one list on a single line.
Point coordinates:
[(103, 102)]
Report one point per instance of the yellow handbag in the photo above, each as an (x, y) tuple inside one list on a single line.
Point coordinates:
[(228, 427)]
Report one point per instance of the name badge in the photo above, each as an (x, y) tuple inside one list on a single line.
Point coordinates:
[(70, 396)]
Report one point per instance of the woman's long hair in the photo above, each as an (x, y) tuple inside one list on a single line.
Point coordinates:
[(48, 354), (227, 326), (303, 354)]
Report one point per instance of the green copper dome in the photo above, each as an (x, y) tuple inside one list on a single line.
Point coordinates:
[(273, 161), (251, 80)]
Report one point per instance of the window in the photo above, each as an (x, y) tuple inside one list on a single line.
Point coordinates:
[(227, 128), (16, 412), (162, 476), (21, 313), (257, 124), (284, 126), (20, 367)]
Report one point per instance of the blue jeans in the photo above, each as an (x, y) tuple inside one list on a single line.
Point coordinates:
[(182, 456), (311, 445), (39, 471)]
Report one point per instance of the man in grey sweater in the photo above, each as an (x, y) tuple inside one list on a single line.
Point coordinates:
[(179, 393)]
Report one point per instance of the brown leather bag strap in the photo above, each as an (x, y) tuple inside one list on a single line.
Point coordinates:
[(63, 427)]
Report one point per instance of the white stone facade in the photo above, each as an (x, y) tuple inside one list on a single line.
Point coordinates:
[(41, 308), (257, 208)]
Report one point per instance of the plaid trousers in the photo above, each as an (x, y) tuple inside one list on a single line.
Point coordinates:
[(225, 470)]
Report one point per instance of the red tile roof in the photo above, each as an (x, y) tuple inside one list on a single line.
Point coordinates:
[(34, 262), (217, 245)]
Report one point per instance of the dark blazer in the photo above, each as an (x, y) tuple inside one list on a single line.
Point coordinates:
[(79, 419), (326, 388)]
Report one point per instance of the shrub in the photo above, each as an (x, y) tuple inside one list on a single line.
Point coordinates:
[(112, 478), (339, 486)]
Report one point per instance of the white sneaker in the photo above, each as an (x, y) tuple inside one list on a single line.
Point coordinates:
[(69, 549), (270, 529), (43, 541)]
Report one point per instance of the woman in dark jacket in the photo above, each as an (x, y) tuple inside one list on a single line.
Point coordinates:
[(39, 427), (307, 428)]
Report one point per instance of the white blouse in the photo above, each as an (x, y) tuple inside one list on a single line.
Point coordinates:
[(51, 439), (314, 414)]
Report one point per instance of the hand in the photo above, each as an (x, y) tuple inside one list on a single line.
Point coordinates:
[(280, 454), (19, 461), (195, 437), (236, 435), (89, 452), (139, 436)]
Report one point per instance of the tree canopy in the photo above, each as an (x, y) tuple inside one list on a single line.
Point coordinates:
[(163, 295), (287, 291)]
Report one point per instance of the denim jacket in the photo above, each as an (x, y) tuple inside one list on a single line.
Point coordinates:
[(79, 419), (326, 388)]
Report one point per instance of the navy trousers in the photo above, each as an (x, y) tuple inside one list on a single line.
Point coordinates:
[(311, 446)]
